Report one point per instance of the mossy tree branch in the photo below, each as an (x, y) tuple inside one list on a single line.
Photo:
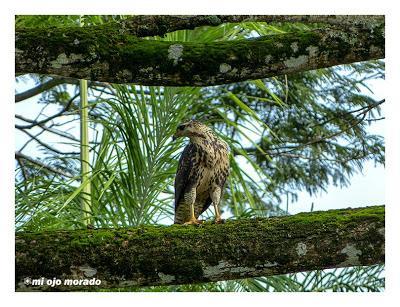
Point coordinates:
[(177, 254), (111, 55), (159, 25)]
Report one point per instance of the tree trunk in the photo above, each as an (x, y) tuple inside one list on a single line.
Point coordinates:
[(160, 255), (111, 54)]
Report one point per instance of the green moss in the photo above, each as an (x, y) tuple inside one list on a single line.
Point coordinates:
[(109, 54), (147, 254)]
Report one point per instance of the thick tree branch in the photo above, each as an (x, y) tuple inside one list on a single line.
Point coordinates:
[(155, 255), (104, 54), (159, 25)]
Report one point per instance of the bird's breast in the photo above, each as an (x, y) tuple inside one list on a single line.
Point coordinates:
[(205, 177), (211, 165)]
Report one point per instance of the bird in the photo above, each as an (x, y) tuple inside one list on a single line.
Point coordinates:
[(201, 174)]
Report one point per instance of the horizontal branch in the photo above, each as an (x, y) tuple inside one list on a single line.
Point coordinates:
[(160, 255), (159, 25), (104, 54)]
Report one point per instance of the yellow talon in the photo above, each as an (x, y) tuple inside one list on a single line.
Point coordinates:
[(193, 222), (219, 220)]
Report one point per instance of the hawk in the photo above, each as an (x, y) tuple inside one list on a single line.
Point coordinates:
[(202, 171)]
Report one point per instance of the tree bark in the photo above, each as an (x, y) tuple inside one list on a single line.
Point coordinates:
[(160, 255), (159, 25), (110, 54)]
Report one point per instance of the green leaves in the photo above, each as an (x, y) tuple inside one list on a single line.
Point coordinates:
[(138, 164)]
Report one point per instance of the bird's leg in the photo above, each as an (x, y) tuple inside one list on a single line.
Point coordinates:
[(193, 220), (216, 198), (190, 197)]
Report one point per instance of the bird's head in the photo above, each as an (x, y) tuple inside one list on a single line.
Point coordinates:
[(192, 129)]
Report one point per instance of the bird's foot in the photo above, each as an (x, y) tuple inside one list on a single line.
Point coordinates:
[(219, 220), (193, 222)]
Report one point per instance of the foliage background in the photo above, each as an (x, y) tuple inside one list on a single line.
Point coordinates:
[(287, 134)]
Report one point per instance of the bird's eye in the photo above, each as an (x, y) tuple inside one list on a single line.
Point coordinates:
[(181, 127)]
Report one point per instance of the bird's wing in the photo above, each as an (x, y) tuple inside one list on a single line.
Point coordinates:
[(185, 168)]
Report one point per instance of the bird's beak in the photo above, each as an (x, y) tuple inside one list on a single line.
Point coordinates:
[(174, 138)]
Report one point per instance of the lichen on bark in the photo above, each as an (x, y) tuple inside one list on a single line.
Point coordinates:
[(111, 55), (154, 255)]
